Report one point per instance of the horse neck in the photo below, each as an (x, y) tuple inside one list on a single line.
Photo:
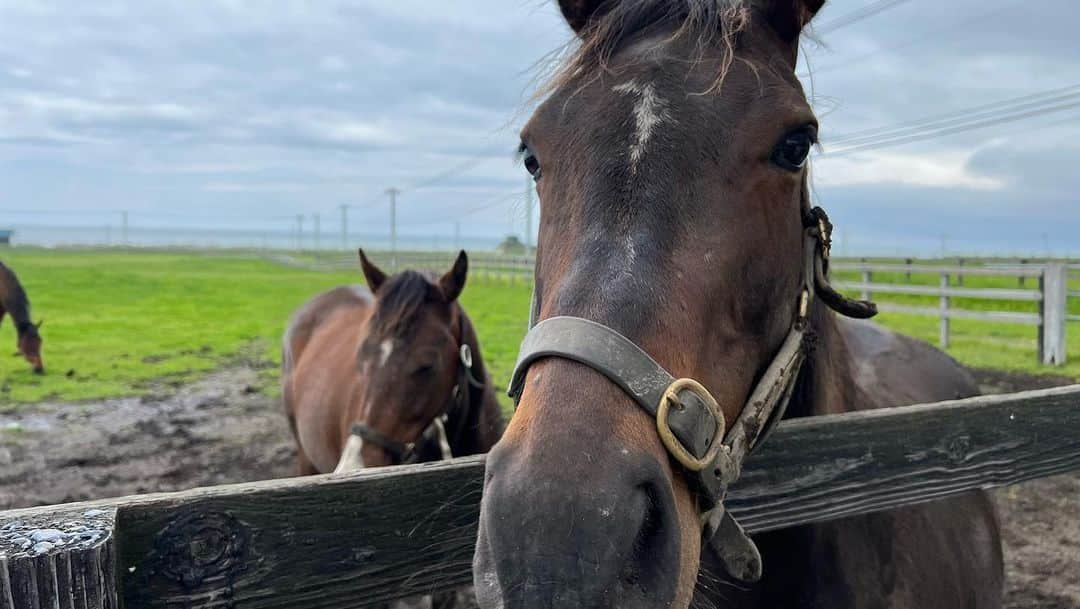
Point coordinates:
[(14, 301), (477, 423), (826, 384)]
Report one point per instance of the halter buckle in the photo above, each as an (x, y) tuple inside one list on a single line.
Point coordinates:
[(466, 355), (674, 446)]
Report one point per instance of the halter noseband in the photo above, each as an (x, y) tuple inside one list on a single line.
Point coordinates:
[(688, 419)]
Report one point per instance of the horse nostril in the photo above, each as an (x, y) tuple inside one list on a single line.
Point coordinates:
[(652, 547)]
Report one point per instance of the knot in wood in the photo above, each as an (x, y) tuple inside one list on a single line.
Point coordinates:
[(958, 448), (199, 546)]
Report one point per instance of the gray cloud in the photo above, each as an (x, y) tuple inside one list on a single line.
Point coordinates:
[(270, 111)]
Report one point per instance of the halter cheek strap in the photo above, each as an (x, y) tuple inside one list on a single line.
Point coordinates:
[(688, 419)]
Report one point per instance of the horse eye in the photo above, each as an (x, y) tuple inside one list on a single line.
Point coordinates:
[(793, 151), (423, 370), (529, 160)]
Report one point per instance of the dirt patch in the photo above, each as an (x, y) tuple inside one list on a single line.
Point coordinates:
[(1004, 381), (216, 431), (222, 429), (1041, 529)]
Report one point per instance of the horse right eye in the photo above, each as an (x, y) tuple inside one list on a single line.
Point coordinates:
[(528, 158)]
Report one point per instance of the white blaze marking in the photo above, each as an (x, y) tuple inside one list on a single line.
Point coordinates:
[(351, 459), (385, 349), (444, 443), (649, 111)]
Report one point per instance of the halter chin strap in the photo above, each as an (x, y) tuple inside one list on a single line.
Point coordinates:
[(688, 418)]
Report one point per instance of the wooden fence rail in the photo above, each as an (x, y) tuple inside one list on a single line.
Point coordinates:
[(358, 540), (1051, 295)]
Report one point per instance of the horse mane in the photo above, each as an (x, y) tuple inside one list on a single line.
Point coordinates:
[(705, 23), (400, 300), (14, 301)]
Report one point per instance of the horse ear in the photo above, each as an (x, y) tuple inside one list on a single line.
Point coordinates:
[(454, 280), (789, 17), (374, 275), (578, 12)]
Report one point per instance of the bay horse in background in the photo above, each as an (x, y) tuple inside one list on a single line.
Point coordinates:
[(13, 302), (670, 160), (388, 374)]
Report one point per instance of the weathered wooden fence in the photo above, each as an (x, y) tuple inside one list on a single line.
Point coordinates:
[(1074, 272), (486, 264), (1051, 295), (1050, 291), (357, 540)]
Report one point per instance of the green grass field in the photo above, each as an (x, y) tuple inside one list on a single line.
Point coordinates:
[(981, 344), (123, 323)]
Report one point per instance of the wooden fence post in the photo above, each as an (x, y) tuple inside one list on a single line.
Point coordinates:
[(907, 263), (943, 331), (867, 276), (1022, 278), (59, 560), (960, 272), (1054, 285)]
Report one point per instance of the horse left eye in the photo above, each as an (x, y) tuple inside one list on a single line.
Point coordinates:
[(793, 151)]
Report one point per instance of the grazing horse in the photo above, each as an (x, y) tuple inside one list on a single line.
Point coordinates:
[(670, 159), (387, 376), (13, 301)]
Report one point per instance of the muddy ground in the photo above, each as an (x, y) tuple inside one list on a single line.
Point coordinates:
[(222, 429)]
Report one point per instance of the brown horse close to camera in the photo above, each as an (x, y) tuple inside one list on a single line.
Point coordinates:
[(670, 159), (13, 302), (389, 375)]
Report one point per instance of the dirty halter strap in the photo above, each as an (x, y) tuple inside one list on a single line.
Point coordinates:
[(405, 452), (688, 418)]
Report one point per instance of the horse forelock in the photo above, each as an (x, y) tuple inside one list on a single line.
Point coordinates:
[(400, 302), (707, 24)]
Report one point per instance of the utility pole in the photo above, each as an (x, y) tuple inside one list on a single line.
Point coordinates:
[(457, 235), (315, 227), (944, 245), (344, 227), (299, 232), (528, 215), (393, 193), (123, 228)]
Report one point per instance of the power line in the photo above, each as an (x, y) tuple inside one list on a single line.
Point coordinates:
[(453, 171), (964, 23), (495, 201), (857, 15), (1029, 101), (955, 130), (998, 113)]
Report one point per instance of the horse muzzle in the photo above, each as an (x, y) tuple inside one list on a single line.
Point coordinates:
[(611, 542)]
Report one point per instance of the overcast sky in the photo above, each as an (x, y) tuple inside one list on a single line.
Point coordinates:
[(231, 113)]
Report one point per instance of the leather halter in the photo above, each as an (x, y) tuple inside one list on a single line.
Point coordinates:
[(688, 419), (458, 402)]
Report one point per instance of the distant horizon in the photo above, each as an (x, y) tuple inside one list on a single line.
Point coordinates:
[(283, 240)]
